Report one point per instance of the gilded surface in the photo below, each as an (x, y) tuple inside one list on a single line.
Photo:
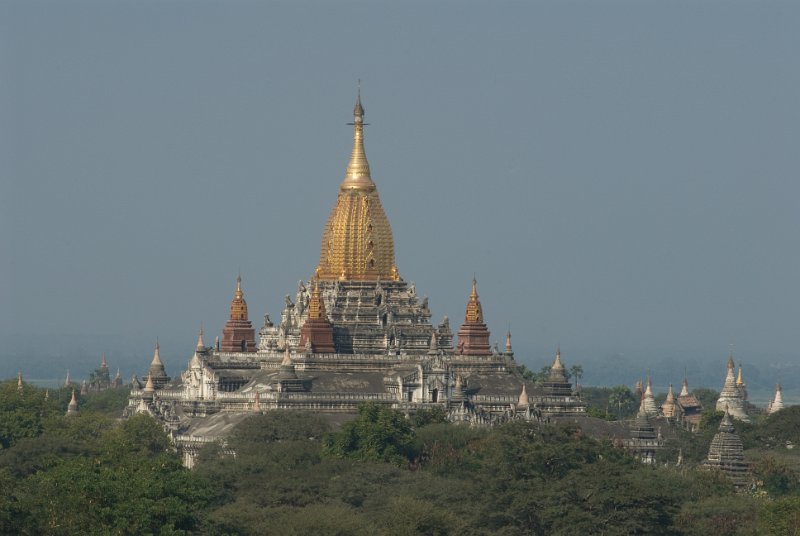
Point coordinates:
[(474, 310), (357, 243), (238, 305), (316, 307)]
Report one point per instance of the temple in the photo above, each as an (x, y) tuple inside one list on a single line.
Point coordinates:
[(354, 332), (733, 397), (726, 453), (776, 404)]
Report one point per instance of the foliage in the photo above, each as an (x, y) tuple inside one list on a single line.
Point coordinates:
[(707, 397), (89, 475), (622, 402), (533, 376), (776, 476), (109, 401), (775, 430), (379, 433), (383, 473), (781, 517)]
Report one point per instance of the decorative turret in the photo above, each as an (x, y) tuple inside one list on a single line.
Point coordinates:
[(473, 335), (117, 381), (684, 388), (157, 373), (648, 400), (523, 398), (357, 244), (669, 408), (84, 388), (238, 335), (287, 371), (459, 389), (317, 331), (509, 349), (740, 383), (731, 398), (726, 452), (67, 381), (434, 347), (72, 408), (776, 404), (201, 345), (149, 387), (557, 383), (103, 362)]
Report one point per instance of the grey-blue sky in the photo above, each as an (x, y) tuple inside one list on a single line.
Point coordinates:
[(622, 176)]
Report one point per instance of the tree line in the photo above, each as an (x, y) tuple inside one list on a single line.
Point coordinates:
[(382, 473)]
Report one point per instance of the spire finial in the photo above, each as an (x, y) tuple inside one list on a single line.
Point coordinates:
[(201, 345), (358, 176), (474, 312)]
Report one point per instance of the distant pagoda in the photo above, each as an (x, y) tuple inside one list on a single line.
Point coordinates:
[(776, 404), (726, 453), (732, 397)]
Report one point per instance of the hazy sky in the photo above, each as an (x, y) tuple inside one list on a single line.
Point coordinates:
[(621, 176)]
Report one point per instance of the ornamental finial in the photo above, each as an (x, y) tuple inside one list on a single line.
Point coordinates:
[(357, 176)]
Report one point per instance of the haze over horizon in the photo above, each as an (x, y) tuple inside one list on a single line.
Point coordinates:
[(621, 177)]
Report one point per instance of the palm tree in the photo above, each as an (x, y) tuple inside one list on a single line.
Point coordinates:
[(622, 397)]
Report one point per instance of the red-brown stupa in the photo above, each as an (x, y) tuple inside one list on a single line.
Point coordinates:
[(473, 335), (317, 331), (238, 334)]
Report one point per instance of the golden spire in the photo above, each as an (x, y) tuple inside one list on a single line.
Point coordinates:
[(238, 305), (357, 243), (104, 363), (730, 362), (508, 342), (739, 379), (474, 310), (357, 176), (557, 363), (316, 307)]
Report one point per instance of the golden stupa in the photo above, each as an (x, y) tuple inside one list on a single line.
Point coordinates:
[(357, 243), (238, 305)]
